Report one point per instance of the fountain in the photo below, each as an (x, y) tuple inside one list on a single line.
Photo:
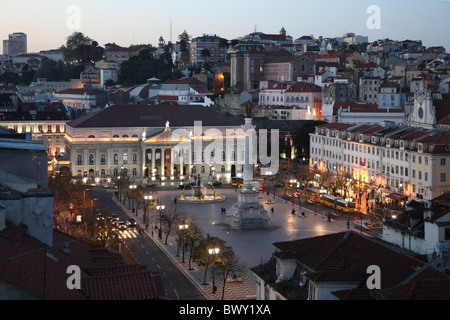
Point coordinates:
[(199, 194)]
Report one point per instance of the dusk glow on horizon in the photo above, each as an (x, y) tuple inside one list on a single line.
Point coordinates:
[(49, 23)]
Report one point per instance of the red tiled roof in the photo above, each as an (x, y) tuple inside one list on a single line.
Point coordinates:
[(429, 289), (345, 256), (301, 86), (22, 264), (153, 116)]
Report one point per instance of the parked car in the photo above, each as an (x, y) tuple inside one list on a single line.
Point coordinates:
[(131, 223), (335, 214), (188, 185), (215, 183)]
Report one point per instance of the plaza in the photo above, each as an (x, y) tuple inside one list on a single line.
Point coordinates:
[(251, 246)]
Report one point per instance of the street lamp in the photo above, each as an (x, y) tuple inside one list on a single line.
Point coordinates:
[(213, 252), (131, 187), (147, 199), (160, 209), (183, 227)]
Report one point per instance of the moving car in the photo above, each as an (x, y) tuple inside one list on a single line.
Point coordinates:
[(131, 223), (114, 217), (122, 225), (363, 225), (311, 201)]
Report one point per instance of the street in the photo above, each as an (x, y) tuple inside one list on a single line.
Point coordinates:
[(176, 284), (252, 246)]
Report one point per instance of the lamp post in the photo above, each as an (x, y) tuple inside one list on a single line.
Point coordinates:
[(131, 197), (213, 252), (292, 182), (183, 227), (147, 199), (160, 208)]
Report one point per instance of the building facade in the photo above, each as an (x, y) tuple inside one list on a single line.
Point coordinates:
[(15, 44), (153, 143), (405, 160), (210, 42)]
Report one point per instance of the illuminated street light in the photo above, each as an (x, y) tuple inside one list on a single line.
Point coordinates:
[(213, 252), (160, 208), (183, 227)]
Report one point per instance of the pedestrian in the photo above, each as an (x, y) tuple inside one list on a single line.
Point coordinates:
[(329, 217), (271, 209), (303, 215), (146, 226), (293, 211)]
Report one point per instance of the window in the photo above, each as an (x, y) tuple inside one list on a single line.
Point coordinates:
[(49, 128), (125, 158), (91, 159), (134, 172), (134, 158), (102, 173), (116, 158), (103, 159), (222, 169), (79, 160), (443, 177), (443, 161)]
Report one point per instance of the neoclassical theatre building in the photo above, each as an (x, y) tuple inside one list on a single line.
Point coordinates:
[(154, 143)]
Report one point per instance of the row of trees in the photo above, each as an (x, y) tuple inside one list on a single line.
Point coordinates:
[(197, 245), (190, 240)]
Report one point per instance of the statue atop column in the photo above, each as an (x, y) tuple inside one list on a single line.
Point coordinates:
[(249, 109)]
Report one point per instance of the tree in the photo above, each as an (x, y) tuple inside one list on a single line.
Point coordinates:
[(224, 44), (171, 217), (201, 254), (205, 54), (81, 49), (184, 41), (229, 265), (193, 236)]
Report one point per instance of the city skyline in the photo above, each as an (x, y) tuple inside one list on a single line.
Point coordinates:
[(48, 27)]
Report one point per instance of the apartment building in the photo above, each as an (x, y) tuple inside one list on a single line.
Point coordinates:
[(210, 42), (389, 158)]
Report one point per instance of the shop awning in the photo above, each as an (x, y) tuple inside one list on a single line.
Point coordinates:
[(396, 196)]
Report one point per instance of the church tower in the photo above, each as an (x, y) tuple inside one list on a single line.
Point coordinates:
[(422, 113)]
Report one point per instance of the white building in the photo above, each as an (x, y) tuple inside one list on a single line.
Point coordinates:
[(393, 159), (15, 44), (143, 140)]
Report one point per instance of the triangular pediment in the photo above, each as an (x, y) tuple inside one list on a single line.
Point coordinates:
[(166, 136)]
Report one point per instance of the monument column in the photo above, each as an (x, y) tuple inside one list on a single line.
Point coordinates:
[(171, 162), (181, 163), (153, 161), (163, 162), (144, 162)]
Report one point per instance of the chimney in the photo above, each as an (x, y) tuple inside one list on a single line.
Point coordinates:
[(66, 248), (2, 216)]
